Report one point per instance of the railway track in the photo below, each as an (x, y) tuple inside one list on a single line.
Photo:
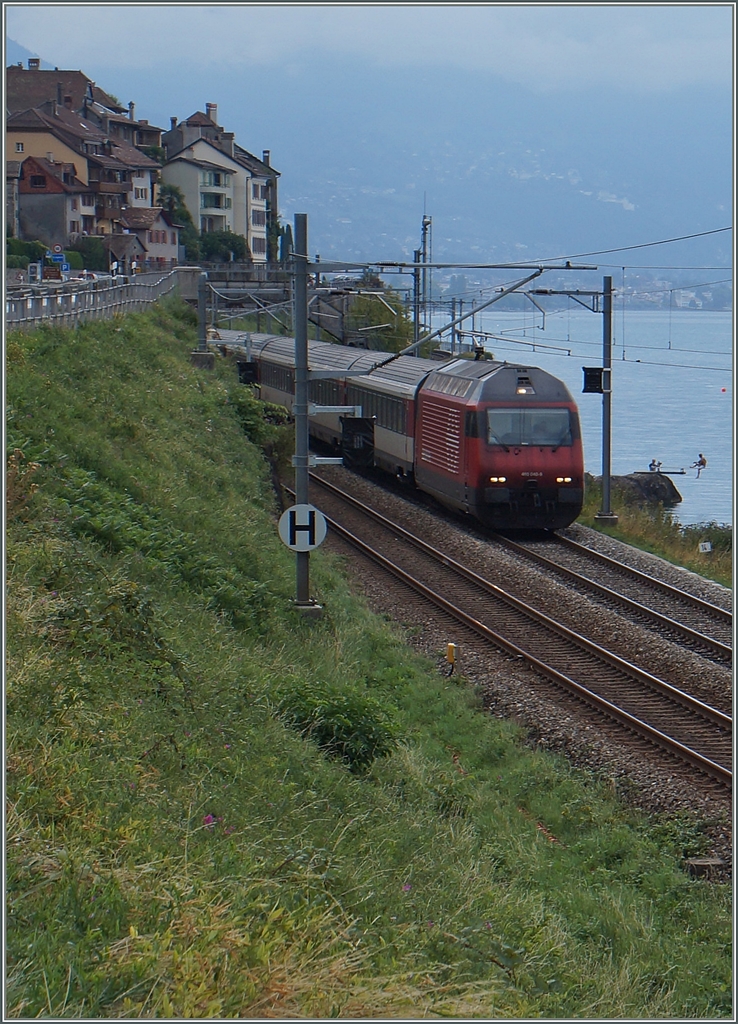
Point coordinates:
[(707, 630), (654, 710)]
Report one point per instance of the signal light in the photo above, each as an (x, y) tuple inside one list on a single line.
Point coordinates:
[(563, 479), (498, 479), (593, 380)]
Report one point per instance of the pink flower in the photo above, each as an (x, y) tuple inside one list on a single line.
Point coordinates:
[(406, 887), (208, 821)]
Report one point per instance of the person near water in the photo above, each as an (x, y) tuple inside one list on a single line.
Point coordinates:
[(699, 465), (654, 466)]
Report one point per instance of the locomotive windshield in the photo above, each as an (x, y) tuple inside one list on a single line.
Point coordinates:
[(539, 427)]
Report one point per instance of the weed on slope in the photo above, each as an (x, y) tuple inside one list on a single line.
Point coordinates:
[(217, 809)]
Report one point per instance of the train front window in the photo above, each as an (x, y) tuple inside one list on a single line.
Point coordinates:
[(537, 427)]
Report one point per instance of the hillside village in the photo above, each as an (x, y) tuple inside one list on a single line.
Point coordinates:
[(80, 164)]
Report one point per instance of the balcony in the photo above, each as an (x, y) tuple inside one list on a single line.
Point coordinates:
[(110, 187), (105, 212)]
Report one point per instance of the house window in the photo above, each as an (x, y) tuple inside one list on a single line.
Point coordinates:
[(174, 238), (88, 200), (255, 191), (19, 147), (38, 181), (88, 224), (75, 204), (74, 227), (258, 218), (259, 245), (142, 193)]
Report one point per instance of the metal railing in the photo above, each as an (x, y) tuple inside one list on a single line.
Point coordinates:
[(74, 303)]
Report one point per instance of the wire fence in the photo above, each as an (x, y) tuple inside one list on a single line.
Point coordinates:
[(92, 300)]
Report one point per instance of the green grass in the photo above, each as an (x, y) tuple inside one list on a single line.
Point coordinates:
[(217, 808), (655, 530)]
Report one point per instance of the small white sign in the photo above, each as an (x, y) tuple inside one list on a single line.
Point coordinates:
[(705, 547), (302, 527)]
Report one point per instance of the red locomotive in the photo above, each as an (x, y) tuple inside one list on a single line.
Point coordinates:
[(496, 440)]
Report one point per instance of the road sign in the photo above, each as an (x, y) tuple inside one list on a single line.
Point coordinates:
[(65, 268), (48, 254), (58, 248), (302, 527), (57, 257)]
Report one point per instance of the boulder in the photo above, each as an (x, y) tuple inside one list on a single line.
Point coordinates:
[(646, 488)]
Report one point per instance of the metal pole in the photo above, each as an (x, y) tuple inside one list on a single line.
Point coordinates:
[(202, 300), (300, 406), (416, 297), (453, 329), (426, 225), (606, 514)]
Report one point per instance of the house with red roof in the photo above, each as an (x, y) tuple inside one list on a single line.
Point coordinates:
[(158, 234), (50, 201)]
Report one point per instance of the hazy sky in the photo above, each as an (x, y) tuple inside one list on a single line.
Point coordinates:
[(638, 47)]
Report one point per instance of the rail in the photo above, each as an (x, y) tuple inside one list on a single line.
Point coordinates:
[(76, 302), (674, 719)]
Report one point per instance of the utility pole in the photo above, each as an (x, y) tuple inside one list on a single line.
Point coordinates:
[(424, 248), (300, 406), (606, 514), (303, 527), (598, 380), (416, 297)]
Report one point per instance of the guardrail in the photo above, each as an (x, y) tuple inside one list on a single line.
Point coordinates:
[(75, 302)]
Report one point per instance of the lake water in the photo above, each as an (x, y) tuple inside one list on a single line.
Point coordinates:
[(672, 391)]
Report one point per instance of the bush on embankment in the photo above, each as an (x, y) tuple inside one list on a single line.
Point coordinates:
[(218, 809), (653, 528)]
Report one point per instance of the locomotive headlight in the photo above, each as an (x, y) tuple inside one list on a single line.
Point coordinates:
[(498, 479), (563, 479)]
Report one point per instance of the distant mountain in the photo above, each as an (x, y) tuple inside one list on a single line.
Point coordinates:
[(507, 173), (17, 54)]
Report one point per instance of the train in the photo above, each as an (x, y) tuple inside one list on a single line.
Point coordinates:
[(497, 441)]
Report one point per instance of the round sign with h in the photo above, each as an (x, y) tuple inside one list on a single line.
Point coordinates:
[(302, 527)]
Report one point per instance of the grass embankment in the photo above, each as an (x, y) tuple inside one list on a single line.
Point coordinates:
[(218, 809), (655, 530)]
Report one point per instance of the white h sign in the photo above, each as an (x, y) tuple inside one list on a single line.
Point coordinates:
[(302, 527)]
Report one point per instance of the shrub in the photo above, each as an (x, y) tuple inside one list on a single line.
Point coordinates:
[(34, 251), (74, 259), (718, 534), (224, 246), (347, 725), (94, 254)]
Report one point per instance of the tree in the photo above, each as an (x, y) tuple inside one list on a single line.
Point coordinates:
[(172, 199), (285, 242), (155, 152), (224, 247), (94, 254), (370, 279), (368, 311)]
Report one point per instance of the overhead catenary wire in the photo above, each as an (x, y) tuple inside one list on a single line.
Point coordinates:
[(640, 245)]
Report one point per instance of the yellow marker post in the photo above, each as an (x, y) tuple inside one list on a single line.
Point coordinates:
[(451, 655)]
